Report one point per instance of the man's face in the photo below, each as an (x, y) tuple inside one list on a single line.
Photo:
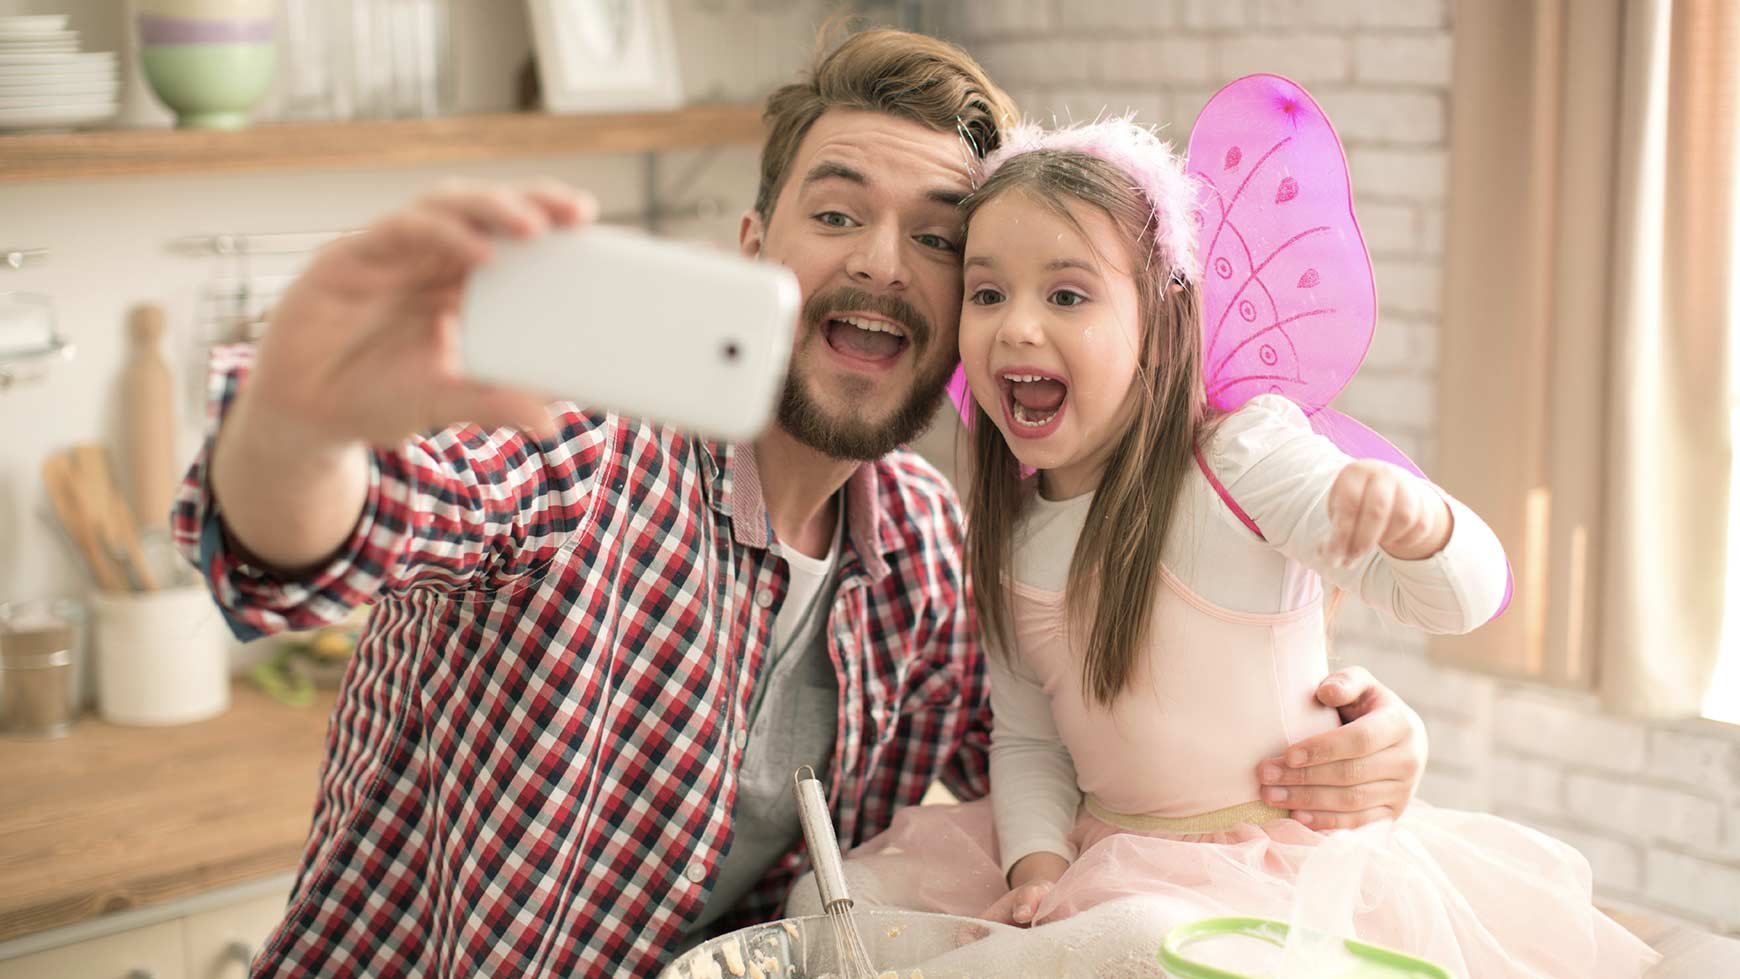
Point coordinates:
[(867, 219)]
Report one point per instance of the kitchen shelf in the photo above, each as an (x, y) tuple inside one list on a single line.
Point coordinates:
[(368, 144)]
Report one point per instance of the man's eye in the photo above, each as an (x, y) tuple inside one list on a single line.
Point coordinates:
[(834, 219), (1067, 297), (936, 241), (986, 297)]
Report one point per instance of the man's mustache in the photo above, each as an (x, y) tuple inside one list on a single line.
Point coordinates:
[(847, 300)]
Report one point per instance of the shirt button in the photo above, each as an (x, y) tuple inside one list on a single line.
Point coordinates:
[(764, 598), (696, 873), (742, 740)]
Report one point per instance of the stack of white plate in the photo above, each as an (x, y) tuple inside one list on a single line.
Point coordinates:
[(47, 83)]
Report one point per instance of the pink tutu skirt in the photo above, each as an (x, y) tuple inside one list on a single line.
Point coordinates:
[(1481, 896)]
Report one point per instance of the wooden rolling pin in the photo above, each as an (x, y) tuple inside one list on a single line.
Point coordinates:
[(148, 400)]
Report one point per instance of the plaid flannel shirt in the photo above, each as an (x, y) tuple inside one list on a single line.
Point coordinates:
[(530, 768)]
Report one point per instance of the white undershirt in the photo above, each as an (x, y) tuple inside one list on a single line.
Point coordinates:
[(797, 623)]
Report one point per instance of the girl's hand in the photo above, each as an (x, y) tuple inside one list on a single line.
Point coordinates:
[(1378, 504), (1032, 877)]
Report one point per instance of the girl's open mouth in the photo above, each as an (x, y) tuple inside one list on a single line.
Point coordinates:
[(1033, 402)]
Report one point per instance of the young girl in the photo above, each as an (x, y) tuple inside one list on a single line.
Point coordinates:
[(1153, 601)]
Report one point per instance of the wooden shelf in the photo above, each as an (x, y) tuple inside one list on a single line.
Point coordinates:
[(354, 145)]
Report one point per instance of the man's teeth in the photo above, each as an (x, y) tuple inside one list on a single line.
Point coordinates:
[(873, 326)]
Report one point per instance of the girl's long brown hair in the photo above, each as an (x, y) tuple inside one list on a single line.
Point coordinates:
[(1115, 574)]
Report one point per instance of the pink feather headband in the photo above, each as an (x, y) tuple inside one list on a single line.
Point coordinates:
[(1144, 157)]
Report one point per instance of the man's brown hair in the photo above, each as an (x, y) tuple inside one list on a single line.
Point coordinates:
[(910, 76)]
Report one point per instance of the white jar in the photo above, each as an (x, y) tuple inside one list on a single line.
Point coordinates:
[(163, 657)]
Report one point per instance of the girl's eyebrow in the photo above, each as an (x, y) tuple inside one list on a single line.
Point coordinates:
[(1055, 265), (1059, 264)]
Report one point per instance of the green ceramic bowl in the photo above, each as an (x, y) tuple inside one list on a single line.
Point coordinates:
[(210, 86)]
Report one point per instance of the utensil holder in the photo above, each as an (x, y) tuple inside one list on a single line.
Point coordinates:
[(162, 657)]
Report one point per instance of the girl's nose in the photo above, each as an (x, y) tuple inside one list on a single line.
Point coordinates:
[(1020, 328)]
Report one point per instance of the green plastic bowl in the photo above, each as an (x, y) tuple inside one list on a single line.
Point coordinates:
[(1363, 961), (210, 86)]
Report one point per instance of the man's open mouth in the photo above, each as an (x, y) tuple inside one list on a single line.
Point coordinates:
[(1034, 401), (865, 337)]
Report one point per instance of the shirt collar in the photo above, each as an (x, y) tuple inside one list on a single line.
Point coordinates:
[(737, 495)]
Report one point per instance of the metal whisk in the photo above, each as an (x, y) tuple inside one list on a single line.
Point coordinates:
[(830, 875)]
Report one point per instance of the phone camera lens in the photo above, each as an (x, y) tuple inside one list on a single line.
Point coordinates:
[(731, 350)]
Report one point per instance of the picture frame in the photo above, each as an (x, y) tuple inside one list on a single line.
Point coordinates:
[(605, 55)]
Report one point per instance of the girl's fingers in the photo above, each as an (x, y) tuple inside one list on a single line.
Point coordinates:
[(1027, 902), (1344, 501), (1374, 516)]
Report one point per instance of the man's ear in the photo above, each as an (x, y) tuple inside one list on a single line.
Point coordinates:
[(750, 233)]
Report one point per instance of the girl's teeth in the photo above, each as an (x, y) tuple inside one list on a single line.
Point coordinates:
[(1022, 416)]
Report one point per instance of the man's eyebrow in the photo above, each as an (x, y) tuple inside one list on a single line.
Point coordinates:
[(839, 171), (825, 171), (941, 195)]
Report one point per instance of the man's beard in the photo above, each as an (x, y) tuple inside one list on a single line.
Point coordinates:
[(855, 437)]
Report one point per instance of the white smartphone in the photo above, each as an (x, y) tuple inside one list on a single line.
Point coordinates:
[(620, 321)]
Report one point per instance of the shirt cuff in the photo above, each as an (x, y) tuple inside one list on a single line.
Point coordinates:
[(1472, 565)]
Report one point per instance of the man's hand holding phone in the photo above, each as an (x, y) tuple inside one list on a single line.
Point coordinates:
[(363, 350)]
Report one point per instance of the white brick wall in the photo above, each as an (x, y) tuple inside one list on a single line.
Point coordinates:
[(1655, 808)]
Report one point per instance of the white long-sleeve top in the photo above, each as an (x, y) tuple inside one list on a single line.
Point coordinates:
[(1280, 473)]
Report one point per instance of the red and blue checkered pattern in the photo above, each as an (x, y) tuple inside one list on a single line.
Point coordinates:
[(534, 748)]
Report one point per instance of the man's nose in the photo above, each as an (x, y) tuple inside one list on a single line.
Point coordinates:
[(878, 261)]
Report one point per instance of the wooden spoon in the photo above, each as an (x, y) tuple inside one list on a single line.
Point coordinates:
[(68, 503), (114, 520)]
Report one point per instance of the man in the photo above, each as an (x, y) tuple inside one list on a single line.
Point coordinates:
[(600, 647)]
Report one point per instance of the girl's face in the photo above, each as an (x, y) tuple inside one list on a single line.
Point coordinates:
[(1050, 335)]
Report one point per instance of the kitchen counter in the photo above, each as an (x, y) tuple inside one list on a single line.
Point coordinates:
[(113, 819)]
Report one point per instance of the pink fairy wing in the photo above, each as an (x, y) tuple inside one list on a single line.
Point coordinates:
[(1287, 292), (1359, 441), (961, 395)]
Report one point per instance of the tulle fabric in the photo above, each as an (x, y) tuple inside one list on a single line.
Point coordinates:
[(1481, 896)]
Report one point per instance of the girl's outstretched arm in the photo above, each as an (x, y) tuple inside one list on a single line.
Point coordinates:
[(1423, 559)]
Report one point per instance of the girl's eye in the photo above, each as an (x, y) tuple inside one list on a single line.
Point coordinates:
[(1067, 297), (986, 297), (834, 219), (937, 242)]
